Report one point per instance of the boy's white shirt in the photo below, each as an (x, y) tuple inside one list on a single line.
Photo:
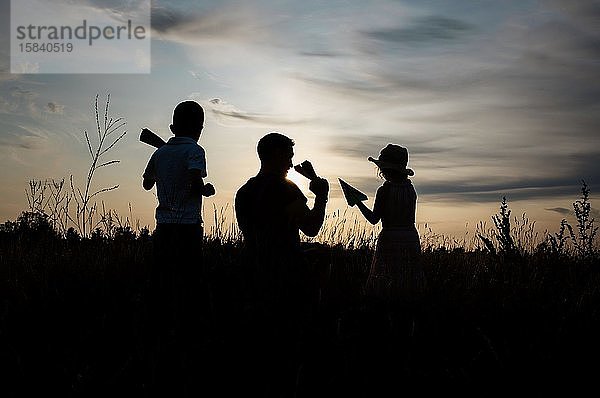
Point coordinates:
[(169, 166)]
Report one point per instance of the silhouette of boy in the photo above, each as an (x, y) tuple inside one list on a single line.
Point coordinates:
[(178, 168)]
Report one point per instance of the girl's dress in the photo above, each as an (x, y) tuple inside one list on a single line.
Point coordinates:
[(395, 270)]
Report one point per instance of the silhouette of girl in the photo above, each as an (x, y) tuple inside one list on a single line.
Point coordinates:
[(395, 271)]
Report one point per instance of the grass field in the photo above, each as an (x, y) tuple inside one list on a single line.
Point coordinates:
[(75, 319)]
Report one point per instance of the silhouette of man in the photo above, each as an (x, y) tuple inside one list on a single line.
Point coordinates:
[(271, 211)]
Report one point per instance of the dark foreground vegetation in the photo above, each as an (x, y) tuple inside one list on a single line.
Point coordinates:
[(75, 321)]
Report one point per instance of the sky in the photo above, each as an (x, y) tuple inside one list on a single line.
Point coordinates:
[(491, 99)]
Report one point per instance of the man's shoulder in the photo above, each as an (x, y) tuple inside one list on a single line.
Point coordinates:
[(249, 183), (271, 183), (266, 185), (246, 188), (291, 185)]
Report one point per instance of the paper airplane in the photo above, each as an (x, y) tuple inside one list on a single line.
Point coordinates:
[(306, 169), (353, 195)]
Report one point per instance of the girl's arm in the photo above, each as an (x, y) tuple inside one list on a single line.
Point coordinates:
[(369, 215), (373, 216)]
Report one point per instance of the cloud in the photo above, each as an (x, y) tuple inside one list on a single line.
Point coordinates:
[(463, 193), (53, 107), (19, 92), (228, 114), (369, 145), (447, 170), (120, 10), (25, 137), (227, 23), (475, 190), (594, 213), (586, 13), (165, 19), (557, 68), (424, 30), (20, 101), (545, 66), (22, 143), (191, 24), (561, 210), (482, 193), (324, 54), (7, 106), (515, 112)]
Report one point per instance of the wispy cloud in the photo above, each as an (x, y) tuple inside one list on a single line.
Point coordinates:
[(561, 210), (239, 23), (20, 101), (446, 171), (324, 54), (480, 192), (227, 114), (430, 29), (25, 137), (54, 108), (595, 213), (475, 190), (514, 111)]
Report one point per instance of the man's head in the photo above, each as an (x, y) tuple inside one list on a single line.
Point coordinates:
[(275, 152), (188, 120)]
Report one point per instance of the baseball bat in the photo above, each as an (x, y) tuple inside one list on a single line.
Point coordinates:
[(150, 138)]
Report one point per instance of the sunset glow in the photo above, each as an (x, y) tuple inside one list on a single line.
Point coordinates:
[(491, 99)]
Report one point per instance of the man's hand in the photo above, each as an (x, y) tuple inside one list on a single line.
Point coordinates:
[(209, 190), (320, 187)]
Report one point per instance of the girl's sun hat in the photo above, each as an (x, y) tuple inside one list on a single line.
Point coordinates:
[(393, 157)]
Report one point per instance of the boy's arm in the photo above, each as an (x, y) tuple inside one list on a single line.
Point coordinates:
[(198, 187), (148, 184), (196, 173), (149, 175)]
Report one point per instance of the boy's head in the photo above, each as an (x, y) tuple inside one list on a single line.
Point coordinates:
[(188, 120)]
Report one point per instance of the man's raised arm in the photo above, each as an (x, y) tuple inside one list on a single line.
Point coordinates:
[(313, 220)]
